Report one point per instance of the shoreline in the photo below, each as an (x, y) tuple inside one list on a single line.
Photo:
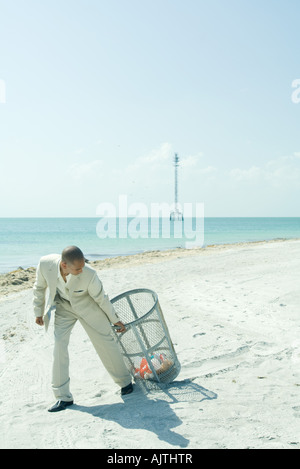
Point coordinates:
[(24, 278)]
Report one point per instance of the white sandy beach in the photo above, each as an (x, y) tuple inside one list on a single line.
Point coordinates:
[(233, 316)]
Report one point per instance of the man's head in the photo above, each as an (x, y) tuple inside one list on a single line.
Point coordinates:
[(72, 260)]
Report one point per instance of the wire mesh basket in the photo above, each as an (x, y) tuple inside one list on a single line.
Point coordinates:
[(146, 345)]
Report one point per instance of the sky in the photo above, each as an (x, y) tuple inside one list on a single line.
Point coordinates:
[(96, 96)]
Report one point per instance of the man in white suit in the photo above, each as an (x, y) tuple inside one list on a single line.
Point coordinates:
[(76, 293)]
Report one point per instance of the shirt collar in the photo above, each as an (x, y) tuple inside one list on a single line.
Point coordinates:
[(59, 276), (58, 270)]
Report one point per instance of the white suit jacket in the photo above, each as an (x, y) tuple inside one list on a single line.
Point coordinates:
[(85, 291)]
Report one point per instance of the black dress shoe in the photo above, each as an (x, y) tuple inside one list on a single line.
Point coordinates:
[(127, 389), (60, 405)]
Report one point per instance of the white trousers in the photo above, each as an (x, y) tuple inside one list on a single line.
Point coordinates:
[(98, 329)]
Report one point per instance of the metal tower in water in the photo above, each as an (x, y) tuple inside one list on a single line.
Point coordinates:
[(176, 214)]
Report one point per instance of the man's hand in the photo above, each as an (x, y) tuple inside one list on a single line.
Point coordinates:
[(121, 326), (39, 321)]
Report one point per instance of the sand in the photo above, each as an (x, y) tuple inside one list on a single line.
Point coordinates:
[(233, 315)]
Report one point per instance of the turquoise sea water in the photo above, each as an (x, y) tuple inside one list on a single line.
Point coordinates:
[(24, 240)]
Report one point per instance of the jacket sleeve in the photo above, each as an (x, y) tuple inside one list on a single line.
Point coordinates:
[(39, 293), (96, 291)]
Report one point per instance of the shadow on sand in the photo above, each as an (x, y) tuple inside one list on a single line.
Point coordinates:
[(149, 408)]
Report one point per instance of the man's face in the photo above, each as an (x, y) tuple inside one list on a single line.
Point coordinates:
[(75, 268)]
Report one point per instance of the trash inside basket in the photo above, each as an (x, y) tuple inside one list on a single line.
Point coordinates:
[(146, 345)]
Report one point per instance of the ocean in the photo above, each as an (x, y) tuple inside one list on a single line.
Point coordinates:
[(24, 240)]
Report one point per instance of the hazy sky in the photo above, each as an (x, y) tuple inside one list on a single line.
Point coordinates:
[(96, 96)]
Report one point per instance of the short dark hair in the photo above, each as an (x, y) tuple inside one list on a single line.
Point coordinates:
[(71, 254)]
